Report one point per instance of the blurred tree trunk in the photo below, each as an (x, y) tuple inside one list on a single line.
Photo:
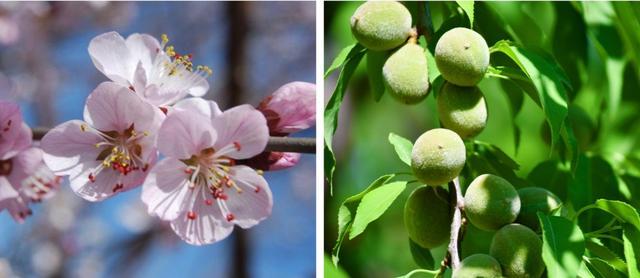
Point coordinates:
[(237, 18)]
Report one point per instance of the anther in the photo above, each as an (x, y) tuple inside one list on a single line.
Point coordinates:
[(191, 215), (237, 145), (230, 217), (92, 178)]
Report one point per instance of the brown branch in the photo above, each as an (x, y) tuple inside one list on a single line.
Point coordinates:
[(277, 144)]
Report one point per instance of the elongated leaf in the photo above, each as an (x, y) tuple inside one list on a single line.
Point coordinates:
[(600, 268), (467, 6), (548, 79), (333, 108), (333, 271), (422, 256), (402, 146), (346, 211), (421, 273), (562, 247), (631, 239), (374, 204), (621, 210), (602, 252), (342, 58)]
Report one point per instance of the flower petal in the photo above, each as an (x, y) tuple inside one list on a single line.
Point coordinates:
[(286, 160), (245, 128), (25, 164), (143, 48), (254, 203), (17, 207), (165, 189), (112, 57), (207, 108), (10, 121), (67, 148), (17, 143), (207, 224), (7, 190), (291, 108), (107, 182), (185, 133), (112, 107)]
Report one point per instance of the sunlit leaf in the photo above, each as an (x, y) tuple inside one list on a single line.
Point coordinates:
[(402, 146), (346, 211), (562, 247), (467, 6), (373, 204)]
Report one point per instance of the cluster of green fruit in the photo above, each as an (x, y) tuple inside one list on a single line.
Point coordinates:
[(461, 55), (490, 203)]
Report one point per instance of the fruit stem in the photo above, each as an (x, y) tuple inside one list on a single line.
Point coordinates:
[(457, 205)]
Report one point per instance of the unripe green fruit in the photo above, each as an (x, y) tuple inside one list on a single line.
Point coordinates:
[(519, 251), (462, 56), (438, 156), (478, 265), (532, 200), (406, 74), (491, 202), (381, 25), (427, 216), (462, 109)]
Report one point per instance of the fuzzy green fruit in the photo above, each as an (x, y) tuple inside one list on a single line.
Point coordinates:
[(381, 25), (462, 56), (491, 202), (519, 251), (438, 156), (532, 200), (462, 109), (427, 216), (477, 266), (406, 75)]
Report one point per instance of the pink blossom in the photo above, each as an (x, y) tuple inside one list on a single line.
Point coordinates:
[(198, 187), (290, 108), (25, 179), (15, 136), (150, 68), (112, 149)]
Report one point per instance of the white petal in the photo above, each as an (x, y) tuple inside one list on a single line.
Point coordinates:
[(207, 108), (66, 148), (242, 126), (250, 206), (112, 57), (7, 191), (166, 188), (185, 133)]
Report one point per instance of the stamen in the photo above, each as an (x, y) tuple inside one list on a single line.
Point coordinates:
[(230, 217), (191, 215), (237, 145), (92, 178)]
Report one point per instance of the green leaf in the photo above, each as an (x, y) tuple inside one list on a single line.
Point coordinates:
[(347, 209), (374, 204), (343, 56), (402, 146), (552, 175), (631, 239), (485, 158), (422, 256), (467, 6), (605, 254), (622, 211), (332, 109), (548, 79), (600, 268), (562, 247), (375, 62), (425, 273), (332, 271)]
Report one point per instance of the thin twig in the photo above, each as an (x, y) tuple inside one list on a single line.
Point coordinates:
[(278, 144), (457, 204)]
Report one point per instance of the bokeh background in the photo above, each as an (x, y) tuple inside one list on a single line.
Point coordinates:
[(590, 41), (253, 48)]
